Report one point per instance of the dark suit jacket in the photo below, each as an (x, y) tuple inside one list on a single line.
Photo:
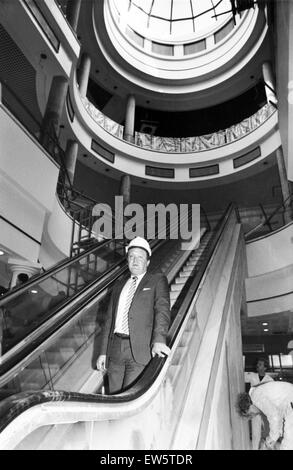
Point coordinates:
[(149, 317)]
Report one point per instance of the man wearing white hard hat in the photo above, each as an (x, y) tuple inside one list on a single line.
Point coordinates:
[(137, 320)]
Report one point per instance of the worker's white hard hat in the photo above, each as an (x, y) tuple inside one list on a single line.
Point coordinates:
[(139, 242)]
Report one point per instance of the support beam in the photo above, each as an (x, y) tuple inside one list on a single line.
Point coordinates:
[(129, 119), (84, 74)]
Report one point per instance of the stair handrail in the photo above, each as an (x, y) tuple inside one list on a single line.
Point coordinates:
[(285, 204)]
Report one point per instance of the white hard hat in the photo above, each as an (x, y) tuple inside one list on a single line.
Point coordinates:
[(139, 242)]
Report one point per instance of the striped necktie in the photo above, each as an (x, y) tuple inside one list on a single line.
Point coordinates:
[(130, 294)]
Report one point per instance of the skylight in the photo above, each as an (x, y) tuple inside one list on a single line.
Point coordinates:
[(173, 20)]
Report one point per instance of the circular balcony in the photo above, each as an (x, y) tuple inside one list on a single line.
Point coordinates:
[(197, 158)]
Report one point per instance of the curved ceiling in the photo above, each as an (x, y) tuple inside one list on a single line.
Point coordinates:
[(107, 73)]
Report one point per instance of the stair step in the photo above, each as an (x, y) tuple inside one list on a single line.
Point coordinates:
[(174, 295), (191, 262), (184, 274), (172, 302), (188, 269), (176, 287), (180, 280)]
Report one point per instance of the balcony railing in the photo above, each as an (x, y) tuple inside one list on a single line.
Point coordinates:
[(184, 144), (105, 122)]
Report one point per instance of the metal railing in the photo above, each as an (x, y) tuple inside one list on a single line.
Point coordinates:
[(184, 144), (282, 215)]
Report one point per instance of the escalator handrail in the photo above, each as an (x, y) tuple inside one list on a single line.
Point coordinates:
[(50, 272), (16, 404), (64, 313)]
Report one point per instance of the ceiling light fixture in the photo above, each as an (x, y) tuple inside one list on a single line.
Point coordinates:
[(2, 253)]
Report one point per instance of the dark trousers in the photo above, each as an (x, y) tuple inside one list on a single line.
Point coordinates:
[(122, 369)]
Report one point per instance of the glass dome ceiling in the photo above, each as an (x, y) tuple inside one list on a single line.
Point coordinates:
[(173, 20)]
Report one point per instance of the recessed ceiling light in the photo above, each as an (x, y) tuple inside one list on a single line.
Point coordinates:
[(2, 253), (266, 329), (264, 324), (33, 291)]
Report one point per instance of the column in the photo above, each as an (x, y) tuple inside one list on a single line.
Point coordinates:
[(125, 190), (284, 185), (129, 119), (72, 13), (269, 80), (54, 108), (84, 74), (21, 266), (70, 158)]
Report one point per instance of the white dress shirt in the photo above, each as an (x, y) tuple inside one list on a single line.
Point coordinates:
[(122, 301), (253, 378)]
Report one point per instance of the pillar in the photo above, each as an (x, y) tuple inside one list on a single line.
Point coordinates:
[(84, 74), (72, 13), (125, 189), (20, 266), (284, 185), (54, 108), (129, 119), (70, 158), (269, 80)]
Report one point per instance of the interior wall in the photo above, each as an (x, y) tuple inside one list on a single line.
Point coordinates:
[(261, 188), (270, 253), (98, 186)]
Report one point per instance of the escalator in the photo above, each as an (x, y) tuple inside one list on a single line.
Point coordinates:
[(161, 398), (34, 310), (45, 358)]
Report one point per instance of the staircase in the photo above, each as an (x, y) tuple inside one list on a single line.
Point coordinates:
[(190, 267)]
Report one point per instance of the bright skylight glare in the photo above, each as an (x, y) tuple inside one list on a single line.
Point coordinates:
[(173, 20)]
